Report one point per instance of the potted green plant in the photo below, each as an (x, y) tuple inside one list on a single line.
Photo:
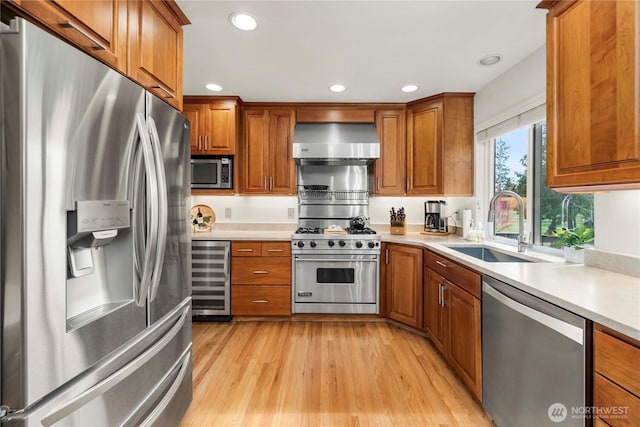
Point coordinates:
[(573, 241)]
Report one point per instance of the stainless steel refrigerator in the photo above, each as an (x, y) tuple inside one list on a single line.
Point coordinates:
[(95, 243)]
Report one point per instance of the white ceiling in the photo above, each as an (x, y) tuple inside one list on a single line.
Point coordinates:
[(374, 48)]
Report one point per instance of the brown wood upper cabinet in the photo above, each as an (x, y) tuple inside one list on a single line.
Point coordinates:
[(97, 27), (139, 38), (440, 145), (213, 124), (593, 95), (389, 169), (267, 158), (155, 48), (452, 316), (403, 284)]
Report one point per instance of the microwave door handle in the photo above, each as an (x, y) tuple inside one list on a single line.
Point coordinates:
[(162, 209), (152, 203)]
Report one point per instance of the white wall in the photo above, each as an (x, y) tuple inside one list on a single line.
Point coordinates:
[(617, 222), (251, 209), (257, 209), (518, 89)]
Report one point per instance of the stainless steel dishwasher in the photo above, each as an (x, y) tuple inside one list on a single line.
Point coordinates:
[(534, 360)]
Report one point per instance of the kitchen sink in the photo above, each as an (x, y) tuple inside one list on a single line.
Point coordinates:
[(488, 254)]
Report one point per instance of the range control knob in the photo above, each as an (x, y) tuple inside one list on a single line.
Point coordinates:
[(331, 243), (358, 245), (371, 245), (342, 243), (313, 244), (301, 244)]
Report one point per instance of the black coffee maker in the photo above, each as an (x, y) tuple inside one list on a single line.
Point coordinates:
[(434, 216)]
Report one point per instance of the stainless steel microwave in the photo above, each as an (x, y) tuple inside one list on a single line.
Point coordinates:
[(212, 172)]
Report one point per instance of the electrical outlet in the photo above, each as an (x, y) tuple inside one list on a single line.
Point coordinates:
[(291, 212), (227, 212), (456, 214)]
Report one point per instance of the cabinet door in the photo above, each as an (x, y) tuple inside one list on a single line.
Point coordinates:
[(435, 321), (282, 167), (458, 145), (465, 347), (261, 270), (254, 152), (220, 128), (99, 27), (193, 112), (390, 167), (404, 284), (155, 49), (424, 149), (261, 300), (593, 95)]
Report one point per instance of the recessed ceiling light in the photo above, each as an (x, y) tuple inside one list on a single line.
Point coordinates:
[(243, 21), (337, 88), (490, 59), (409, 88), (214, 87)]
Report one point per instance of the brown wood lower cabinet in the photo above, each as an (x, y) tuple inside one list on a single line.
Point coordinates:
[(261, 300), (616, 379), (452, 317), (403, 281), (260, 278), (436, 322)]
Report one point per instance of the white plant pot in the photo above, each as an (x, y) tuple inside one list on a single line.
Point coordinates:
[(573, 255)]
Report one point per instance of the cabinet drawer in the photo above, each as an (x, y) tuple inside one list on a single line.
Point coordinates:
[(276, 248), (261, 300), (616, 406), (617, 360), (246, 249), (261, 271), (461, 276)]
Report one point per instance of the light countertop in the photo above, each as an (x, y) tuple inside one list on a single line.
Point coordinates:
[(609, 298)]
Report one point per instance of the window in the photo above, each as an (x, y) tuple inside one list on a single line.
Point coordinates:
[(519, 165)]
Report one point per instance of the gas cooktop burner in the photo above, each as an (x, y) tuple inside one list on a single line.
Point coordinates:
[(367, 230), (309, 230)]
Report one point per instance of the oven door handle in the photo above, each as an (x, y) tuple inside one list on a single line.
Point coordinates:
[(336, 260)]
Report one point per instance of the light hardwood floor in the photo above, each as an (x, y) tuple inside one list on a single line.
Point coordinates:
[(304, 373)]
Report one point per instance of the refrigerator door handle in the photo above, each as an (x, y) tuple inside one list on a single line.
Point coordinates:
[(168, 397), (162, 209), (122, 374), (152, 197)]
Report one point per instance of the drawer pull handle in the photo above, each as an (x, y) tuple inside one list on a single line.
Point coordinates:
[(96, 45), (442, 264), (244, 250), (260, 301), (171, 95), (260, 272), (275, 250)]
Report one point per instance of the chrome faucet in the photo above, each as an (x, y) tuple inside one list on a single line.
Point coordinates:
[(522, 243)]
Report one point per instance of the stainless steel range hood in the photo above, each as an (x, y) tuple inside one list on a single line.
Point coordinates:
[(335, 143)]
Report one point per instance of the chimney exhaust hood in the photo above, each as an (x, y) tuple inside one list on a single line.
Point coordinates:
[(335, 143)]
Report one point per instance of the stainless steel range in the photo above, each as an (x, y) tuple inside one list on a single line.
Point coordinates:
[(335, 256), (335, 273)]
